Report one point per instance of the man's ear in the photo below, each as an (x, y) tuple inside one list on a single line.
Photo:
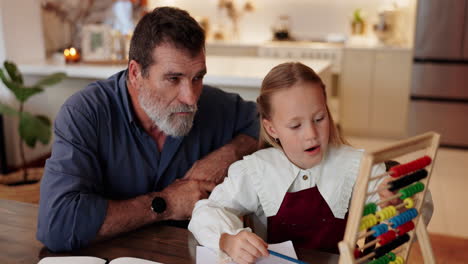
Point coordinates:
[(134, 72), (269, 128)]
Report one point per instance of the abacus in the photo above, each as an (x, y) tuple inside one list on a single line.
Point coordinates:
[(391, 230)]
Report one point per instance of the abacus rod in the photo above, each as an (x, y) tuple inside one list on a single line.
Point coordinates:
[(380, 176), (366, 234), (386, 187), (370, 244), (389, 198), (400, 205), (366, 257)]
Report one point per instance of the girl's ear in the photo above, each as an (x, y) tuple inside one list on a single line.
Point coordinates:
[(269, 128)]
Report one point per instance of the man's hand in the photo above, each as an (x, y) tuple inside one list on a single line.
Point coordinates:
[(245, 247), (182, 195), (384, 193), (214, 166)]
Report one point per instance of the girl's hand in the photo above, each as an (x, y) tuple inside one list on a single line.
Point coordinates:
[(384, 193), (243, 248)]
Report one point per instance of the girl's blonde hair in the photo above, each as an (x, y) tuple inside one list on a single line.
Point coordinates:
[(281, 77)]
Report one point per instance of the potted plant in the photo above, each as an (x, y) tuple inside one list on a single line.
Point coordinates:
[(358, 24), (31, 128)]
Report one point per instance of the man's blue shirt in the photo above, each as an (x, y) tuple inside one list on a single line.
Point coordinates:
[(101, 152)]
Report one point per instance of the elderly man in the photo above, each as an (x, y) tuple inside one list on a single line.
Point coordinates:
[(144, 145)]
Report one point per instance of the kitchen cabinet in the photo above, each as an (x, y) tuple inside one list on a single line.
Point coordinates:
[(374, 91)]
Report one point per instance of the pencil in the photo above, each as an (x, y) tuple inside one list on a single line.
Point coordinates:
[(274, 253)]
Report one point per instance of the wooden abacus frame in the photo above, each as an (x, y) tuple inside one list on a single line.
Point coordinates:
[(428, 143)]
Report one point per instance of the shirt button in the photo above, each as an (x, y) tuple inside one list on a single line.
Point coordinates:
[(305, 177)]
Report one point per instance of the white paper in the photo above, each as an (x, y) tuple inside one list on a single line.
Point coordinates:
[(74, 260), (210, 256), (128, 260)]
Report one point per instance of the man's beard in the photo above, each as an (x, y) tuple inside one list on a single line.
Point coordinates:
[(167, 120)]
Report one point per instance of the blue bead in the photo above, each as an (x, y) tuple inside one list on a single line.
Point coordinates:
[(403, 217), (379, 229)]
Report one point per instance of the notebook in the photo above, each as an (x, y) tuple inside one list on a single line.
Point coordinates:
[(93, 260)]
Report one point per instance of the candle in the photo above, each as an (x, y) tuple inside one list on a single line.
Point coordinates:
[(71, 55)]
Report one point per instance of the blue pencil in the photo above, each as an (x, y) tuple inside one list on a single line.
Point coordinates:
[(274, 253)]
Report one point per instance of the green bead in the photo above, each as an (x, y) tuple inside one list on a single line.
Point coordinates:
[(391, 256), (411, 190), (370, 208)]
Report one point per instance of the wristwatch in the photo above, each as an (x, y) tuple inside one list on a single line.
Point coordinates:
[(158, 204)]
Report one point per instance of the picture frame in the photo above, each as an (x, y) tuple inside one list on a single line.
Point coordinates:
[(96, 43)]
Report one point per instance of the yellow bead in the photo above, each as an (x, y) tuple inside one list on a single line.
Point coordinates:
[(409, 203), (398, 260), (386, 213), (368, 221)]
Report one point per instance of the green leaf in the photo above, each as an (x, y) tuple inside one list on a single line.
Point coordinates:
[(34, 128), (44, 119), (7, 110), (5, 80), (24, 93), (21, 92), (51, 79), (15, 74)]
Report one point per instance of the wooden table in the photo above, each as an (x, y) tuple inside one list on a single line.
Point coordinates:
[(170, 245)]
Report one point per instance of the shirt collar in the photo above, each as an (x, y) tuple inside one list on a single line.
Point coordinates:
[(310, 172), (127, 104)]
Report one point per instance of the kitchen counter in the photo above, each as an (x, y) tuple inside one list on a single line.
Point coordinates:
[(222, 70), (352, 42), (249, 71)]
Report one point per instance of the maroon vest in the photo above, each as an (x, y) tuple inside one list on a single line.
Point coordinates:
[(305, 218)]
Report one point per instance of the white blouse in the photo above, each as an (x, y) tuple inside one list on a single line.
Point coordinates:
[(258, 183)]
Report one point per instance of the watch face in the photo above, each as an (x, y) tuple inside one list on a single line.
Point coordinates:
[(158, 205)]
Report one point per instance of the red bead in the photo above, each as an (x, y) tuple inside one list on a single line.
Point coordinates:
[(357, 253), (405, 228), (387, 237), (414, 165)]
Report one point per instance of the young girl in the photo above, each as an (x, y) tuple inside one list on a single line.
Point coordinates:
[(298, 187)]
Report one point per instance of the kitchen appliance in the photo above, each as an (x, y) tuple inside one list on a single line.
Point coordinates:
[(281, 28), (390, 26), (439, 92)]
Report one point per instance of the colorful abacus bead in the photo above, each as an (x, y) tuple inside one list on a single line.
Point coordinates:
[(384, 249), (403, 217), (405, 228), (411, 190), (379, 229), (386, 213), (381, 260), (357, 253), (407, 180), (368, 221), (391, 256), (402, 169), (409, 203), (384, 259), (387, 237), (370, 208), (398, 260)]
